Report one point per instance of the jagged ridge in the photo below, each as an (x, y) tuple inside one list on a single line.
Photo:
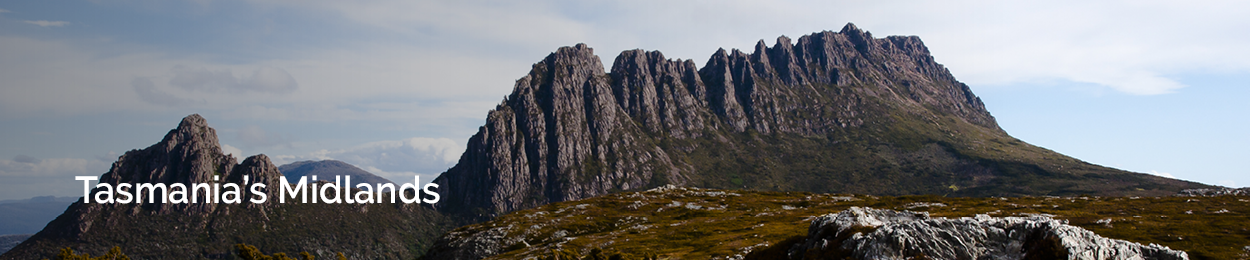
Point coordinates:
[(836, 112)]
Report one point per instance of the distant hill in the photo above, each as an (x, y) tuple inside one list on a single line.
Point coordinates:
[(326, 170), (191, 153), (30, 215)]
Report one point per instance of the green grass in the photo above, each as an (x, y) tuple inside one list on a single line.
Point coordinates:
[(771, 221), (904, 150)]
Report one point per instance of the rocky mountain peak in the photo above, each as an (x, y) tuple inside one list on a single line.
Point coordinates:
[(192, 133), (188, 154), (850, 28), (570, 131), (258, 169)]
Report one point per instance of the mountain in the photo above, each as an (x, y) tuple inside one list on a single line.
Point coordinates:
[(834, 112), (839, 112), (191, 154), (326, 170)]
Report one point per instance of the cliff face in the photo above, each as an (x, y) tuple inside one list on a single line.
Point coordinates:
[(190, 154), (834, 112), (561, 135)]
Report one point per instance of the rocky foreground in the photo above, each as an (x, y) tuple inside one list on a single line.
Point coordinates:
[(912, 235)]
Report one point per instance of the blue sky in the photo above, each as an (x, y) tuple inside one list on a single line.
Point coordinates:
[(397, 87)]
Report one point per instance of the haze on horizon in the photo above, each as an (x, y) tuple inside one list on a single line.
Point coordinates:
[(397, 87)]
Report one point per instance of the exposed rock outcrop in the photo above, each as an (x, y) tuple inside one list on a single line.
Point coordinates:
[(188, 154), (864, 233), (562, 135)]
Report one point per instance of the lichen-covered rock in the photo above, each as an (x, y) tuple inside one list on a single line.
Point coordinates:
[(864, 233)]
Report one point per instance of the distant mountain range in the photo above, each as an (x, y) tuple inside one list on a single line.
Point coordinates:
[(834, 112), (326, 170)]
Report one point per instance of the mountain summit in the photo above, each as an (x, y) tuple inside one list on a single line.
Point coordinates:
[(839, 112)]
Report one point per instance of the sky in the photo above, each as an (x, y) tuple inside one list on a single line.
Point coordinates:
[(397, 87)]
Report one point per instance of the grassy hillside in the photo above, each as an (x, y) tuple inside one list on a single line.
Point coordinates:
[(719, 224), (905, 150)]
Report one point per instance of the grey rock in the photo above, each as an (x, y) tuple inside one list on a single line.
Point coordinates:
[(564, 135), (188, 154), (864, 233)]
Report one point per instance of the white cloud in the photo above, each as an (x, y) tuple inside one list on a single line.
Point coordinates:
[(1132, 47), (108, 157), (404, 157), (1228, 183), (4, 11), (1162, 174), (46, 23), (1129, 46), (265, 79), (233, 152), (147, 91), (333, 85)]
